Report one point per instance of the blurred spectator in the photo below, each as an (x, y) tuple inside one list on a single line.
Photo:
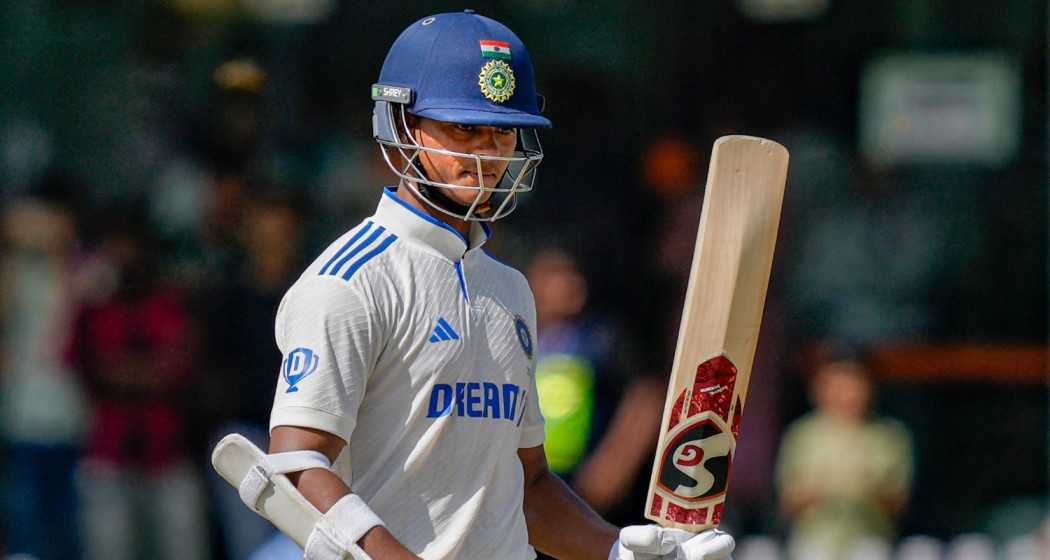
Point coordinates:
[(572, 351), (42, 405), (843, 476), (141, 496), (243, 358), (583, 367)]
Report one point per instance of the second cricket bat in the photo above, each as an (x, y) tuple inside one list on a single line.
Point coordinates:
[(719, 330)]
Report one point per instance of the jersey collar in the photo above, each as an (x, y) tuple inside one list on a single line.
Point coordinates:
[(411, 222)]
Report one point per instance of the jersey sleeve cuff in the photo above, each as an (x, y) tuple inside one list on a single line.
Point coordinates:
[(531, 436), (306, 417)]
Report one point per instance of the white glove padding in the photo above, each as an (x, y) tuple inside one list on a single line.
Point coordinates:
[(339, 530), (652, 542)]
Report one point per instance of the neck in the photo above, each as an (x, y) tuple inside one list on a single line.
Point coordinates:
[(410, 196)]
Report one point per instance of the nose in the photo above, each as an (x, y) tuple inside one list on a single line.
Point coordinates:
[(485, 142)]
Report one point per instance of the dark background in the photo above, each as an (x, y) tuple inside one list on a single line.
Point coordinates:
[(117, 97)]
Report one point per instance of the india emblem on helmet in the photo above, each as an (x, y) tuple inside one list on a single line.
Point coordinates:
[(497, 81)]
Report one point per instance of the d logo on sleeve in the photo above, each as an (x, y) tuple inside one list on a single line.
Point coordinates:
[(297, 365)]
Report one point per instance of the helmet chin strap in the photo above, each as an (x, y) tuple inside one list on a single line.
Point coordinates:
[(437, 196)]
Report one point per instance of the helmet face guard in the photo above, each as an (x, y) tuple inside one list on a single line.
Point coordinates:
[(392, 133), (466, 69)]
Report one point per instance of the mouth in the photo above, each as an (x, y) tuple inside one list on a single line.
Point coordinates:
[(488, 178)]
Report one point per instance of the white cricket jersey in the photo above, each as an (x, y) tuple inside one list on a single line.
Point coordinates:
[(415, 346)]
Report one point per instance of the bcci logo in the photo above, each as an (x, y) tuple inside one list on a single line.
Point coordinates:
[(524, 335), (297, 365), (696, 463), (496, 81)]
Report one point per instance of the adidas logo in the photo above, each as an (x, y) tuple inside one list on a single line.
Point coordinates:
[(443, 331)]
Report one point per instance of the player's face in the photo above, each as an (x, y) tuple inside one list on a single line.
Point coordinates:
[(469, 139)]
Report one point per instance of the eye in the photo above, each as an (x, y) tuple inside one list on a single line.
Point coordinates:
[(465, 127), (506, 131)]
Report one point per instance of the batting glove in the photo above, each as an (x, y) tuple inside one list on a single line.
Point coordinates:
[(652, 542)]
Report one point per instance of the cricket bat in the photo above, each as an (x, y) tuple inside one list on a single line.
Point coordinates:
[(724, 299)]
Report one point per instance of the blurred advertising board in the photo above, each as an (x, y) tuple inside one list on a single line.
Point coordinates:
[(960, 108)]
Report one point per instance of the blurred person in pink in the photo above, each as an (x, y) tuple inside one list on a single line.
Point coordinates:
[(42, 404), (844, 476), (141, 496)]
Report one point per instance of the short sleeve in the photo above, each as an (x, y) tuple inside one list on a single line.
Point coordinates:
[(532, 430), (329, 335)]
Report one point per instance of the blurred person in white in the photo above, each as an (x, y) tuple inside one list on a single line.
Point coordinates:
[(842, 474), (42, 405)]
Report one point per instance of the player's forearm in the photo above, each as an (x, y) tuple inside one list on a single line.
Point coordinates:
[(323, 488), (320, 487), (562, 525), (380, 543)]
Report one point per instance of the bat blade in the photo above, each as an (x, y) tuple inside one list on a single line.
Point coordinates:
[(723, 307)]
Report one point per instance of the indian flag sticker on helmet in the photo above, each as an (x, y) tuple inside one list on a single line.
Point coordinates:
[(495, 49), (496, 81)]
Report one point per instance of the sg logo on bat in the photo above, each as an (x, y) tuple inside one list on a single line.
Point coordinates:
[(691, 473)]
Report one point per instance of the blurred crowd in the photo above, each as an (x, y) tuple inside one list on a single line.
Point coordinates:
[(144, 252)]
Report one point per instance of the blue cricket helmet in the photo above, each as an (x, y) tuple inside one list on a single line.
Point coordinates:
[(467, 69), (445, 59)]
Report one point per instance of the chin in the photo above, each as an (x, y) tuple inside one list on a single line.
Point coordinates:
[(467, 203), (467, 200)]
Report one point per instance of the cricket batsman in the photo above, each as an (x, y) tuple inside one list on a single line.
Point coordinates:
[(406, 408)]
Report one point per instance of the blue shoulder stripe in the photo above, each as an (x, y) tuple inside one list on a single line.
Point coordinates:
[(345, 246), (360, 247), (369, 255)]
